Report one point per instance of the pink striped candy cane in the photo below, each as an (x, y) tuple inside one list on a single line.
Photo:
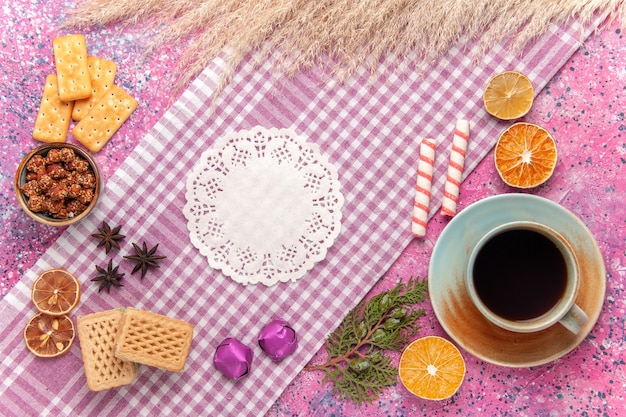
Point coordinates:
[(455, 168), (425, 167)]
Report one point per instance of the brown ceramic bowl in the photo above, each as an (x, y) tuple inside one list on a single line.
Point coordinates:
[(47, 218)]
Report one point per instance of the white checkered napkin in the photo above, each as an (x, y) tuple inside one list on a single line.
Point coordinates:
[(370, 132)]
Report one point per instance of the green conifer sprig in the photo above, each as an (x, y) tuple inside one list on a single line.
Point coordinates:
[(357, 365)]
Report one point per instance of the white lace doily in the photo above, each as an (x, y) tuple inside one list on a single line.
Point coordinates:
[(263, 206)]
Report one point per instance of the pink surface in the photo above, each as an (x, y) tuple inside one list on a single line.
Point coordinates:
[(583, 107)]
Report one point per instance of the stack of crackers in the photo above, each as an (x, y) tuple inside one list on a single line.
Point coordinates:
[(82, 89), (113, 342)]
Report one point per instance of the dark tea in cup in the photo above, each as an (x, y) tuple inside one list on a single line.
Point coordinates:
[(520, 274), (523, 276)]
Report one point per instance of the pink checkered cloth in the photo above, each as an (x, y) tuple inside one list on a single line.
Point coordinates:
[(369, 130)]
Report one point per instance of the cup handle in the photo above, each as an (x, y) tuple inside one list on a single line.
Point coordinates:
[(574, 320)]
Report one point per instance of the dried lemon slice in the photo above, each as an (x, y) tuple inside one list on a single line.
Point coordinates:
[(508, 95), (49, 336), (56, 292)]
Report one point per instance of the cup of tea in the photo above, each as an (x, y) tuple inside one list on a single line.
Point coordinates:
[(524, 277)]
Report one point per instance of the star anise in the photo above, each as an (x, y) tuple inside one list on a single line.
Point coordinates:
[(144, 258), (109, 238), (108, 277)]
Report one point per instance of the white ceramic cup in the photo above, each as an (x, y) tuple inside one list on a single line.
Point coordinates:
[(563, 311)]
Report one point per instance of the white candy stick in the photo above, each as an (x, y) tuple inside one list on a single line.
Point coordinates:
[(455, 168), (425, 168)]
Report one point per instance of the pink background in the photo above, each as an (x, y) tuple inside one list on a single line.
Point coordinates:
[(583, 107)]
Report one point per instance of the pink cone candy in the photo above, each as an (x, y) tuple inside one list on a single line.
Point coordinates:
[(278, 339), (233, 358)]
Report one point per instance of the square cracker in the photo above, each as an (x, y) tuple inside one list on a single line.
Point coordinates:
[(105, 118), (102, 76), (155, 340), (70, 58), (53, 117), (97, 334)]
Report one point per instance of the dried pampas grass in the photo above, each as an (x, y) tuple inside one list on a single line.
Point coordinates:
[(336, 35)]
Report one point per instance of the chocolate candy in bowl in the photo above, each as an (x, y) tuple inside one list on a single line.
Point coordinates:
[(58, 184)]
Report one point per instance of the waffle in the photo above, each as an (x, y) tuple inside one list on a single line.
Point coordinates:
[(152, 339), (97, 334)]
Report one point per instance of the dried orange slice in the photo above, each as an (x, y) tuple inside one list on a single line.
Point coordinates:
[(432, 368), (525, 155), (49, 336), (508, 95), (56, 292)]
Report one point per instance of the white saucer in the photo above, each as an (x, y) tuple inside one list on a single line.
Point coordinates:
[(462, 320)]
